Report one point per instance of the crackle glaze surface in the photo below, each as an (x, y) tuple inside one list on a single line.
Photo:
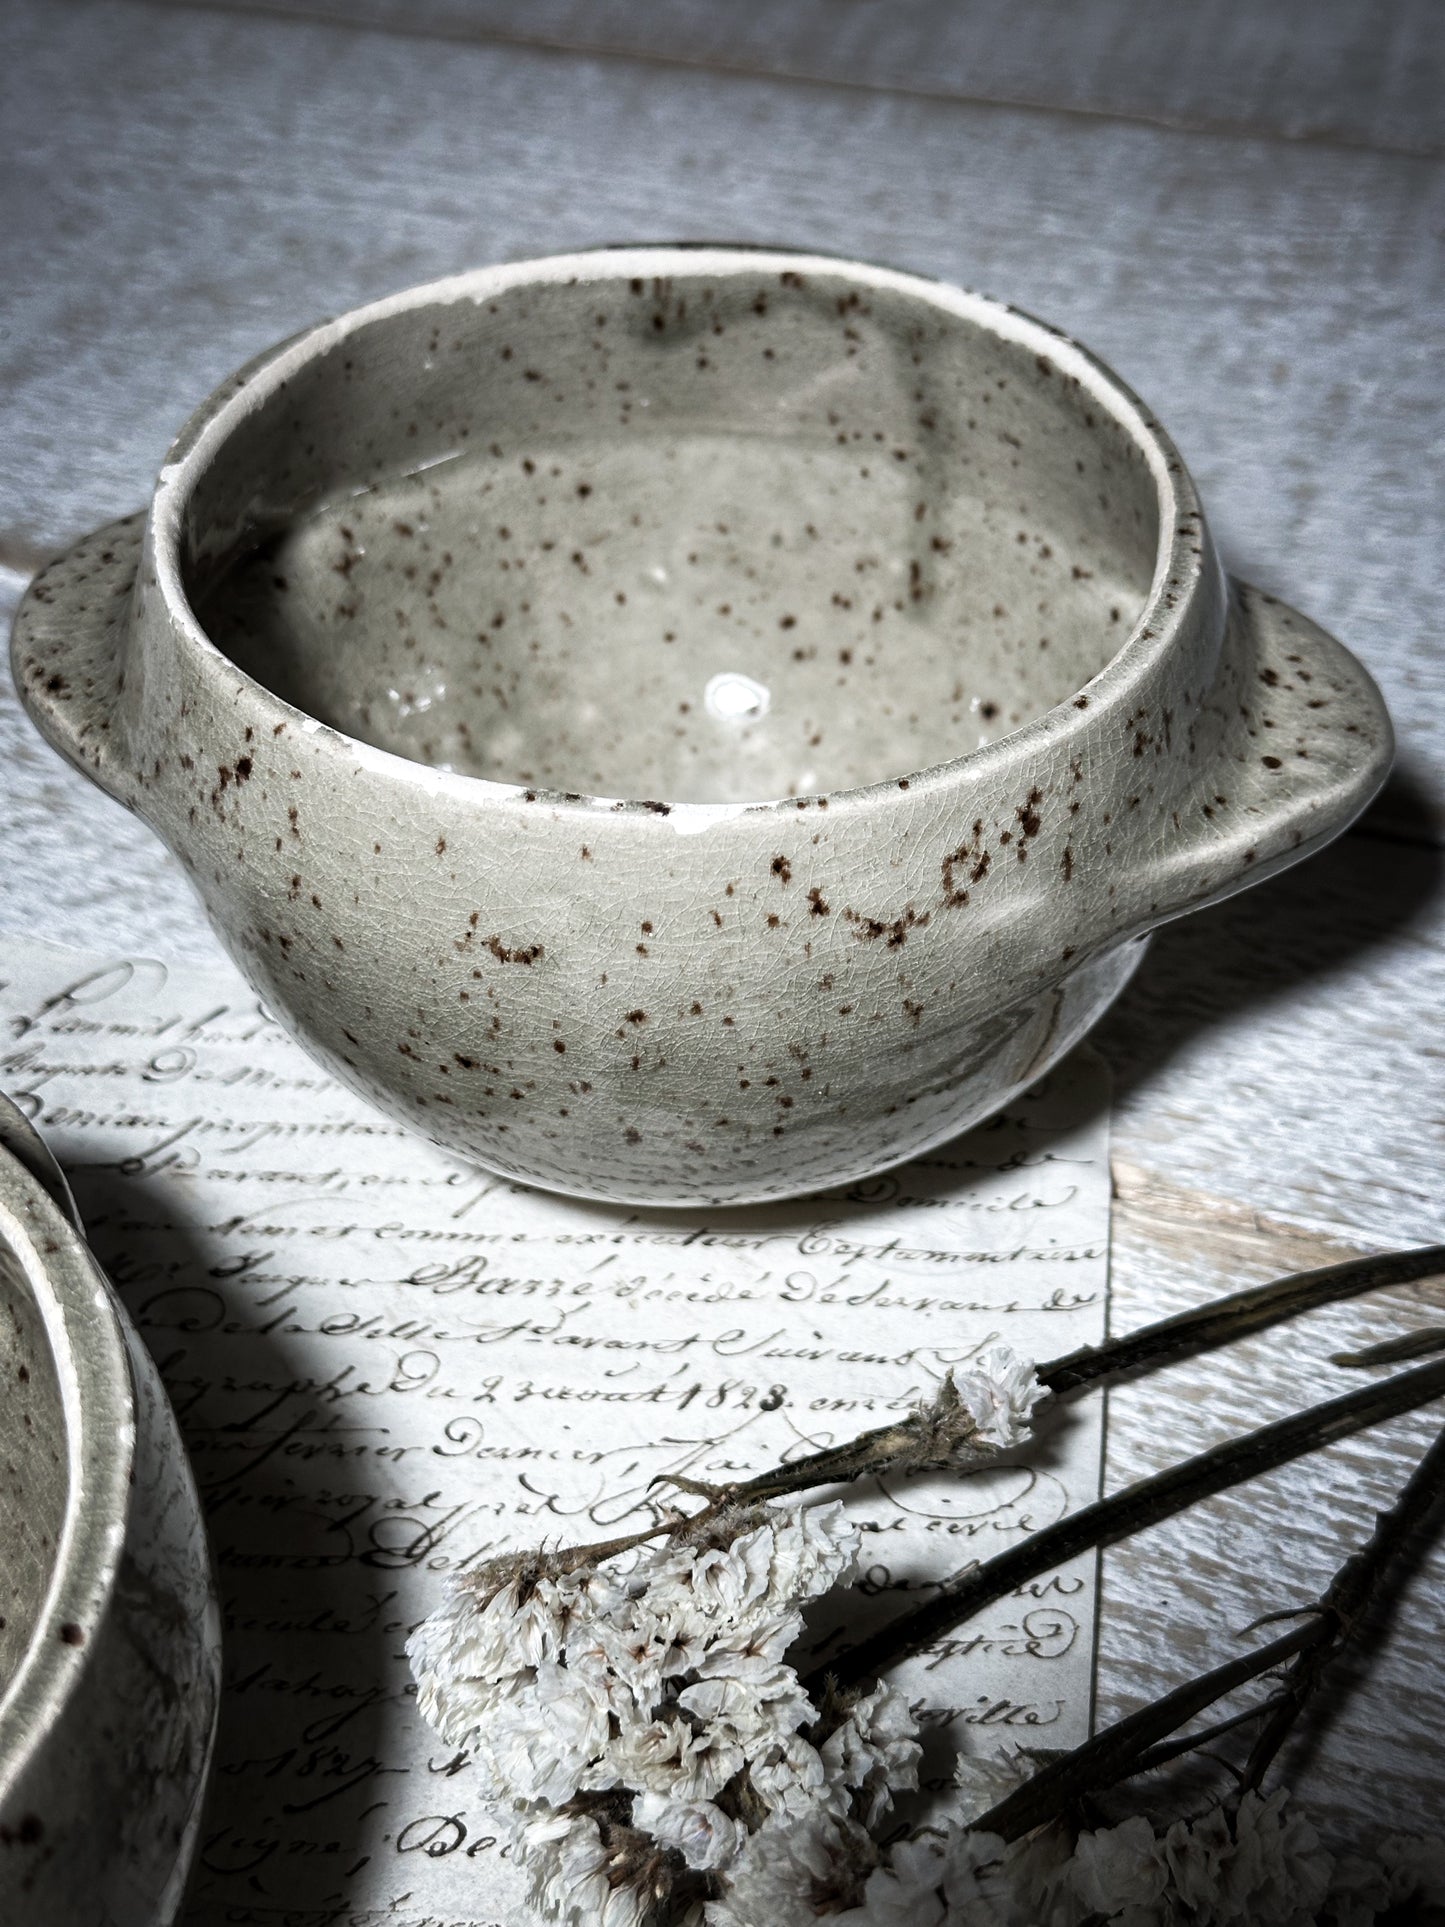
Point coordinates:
[(110, 1657), (691, 724)]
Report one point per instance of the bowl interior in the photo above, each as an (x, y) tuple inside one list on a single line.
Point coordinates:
[(720, 537), (34, 1463)]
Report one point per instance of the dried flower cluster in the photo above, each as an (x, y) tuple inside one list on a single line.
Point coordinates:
[(632, 1711), (644, 1726), (1254, 1863), (635, 1714)]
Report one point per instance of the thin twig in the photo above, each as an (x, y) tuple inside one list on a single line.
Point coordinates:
[(1346, 1602), (1395, 1351), (1111, 1756), (1167, 1750), (1109, 1520)]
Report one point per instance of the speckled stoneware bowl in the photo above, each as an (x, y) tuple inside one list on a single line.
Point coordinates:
[(688, 725), (109, 1634)]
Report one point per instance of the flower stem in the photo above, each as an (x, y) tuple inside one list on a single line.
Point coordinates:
[(1240, 1315), (1346, 1602), (1221, 1322), (1109, 1520), (1132, 1744), (1167, 1750), (905, 1443)]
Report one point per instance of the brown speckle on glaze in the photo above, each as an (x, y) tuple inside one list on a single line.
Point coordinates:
[(527, 954)]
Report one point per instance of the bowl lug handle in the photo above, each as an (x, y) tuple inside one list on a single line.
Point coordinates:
[(67, 650), (1306, 743)]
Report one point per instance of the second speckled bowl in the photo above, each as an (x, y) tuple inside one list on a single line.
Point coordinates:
[(686, 725), (110, 1644)]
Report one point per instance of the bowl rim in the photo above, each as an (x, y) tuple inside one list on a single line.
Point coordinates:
[(92, 1369), (1180, 568)]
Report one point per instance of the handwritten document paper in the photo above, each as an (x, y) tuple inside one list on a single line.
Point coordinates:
[(388, 1364)]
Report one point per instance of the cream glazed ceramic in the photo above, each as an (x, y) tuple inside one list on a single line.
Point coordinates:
[(110, 1646), (691, 724)]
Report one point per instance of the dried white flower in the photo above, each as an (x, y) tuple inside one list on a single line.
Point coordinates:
[(637, 1713), (485, 1637), (541, 1736), (1257, 1867), (671, 1756), (750, 1650), (1281, 1863), (908, 1891), (568, 1866), (1000, 1394), (795, 1869), (983, 1779), (1119, 1868), (701, 1832), (813, 1549), (874, 1752), (1359, 1889), (1408, 1869), (1415, 1868), (1023, 1884)]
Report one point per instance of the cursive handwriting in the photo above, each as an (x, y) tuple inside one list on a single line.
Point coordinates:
[(389, 1366)]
